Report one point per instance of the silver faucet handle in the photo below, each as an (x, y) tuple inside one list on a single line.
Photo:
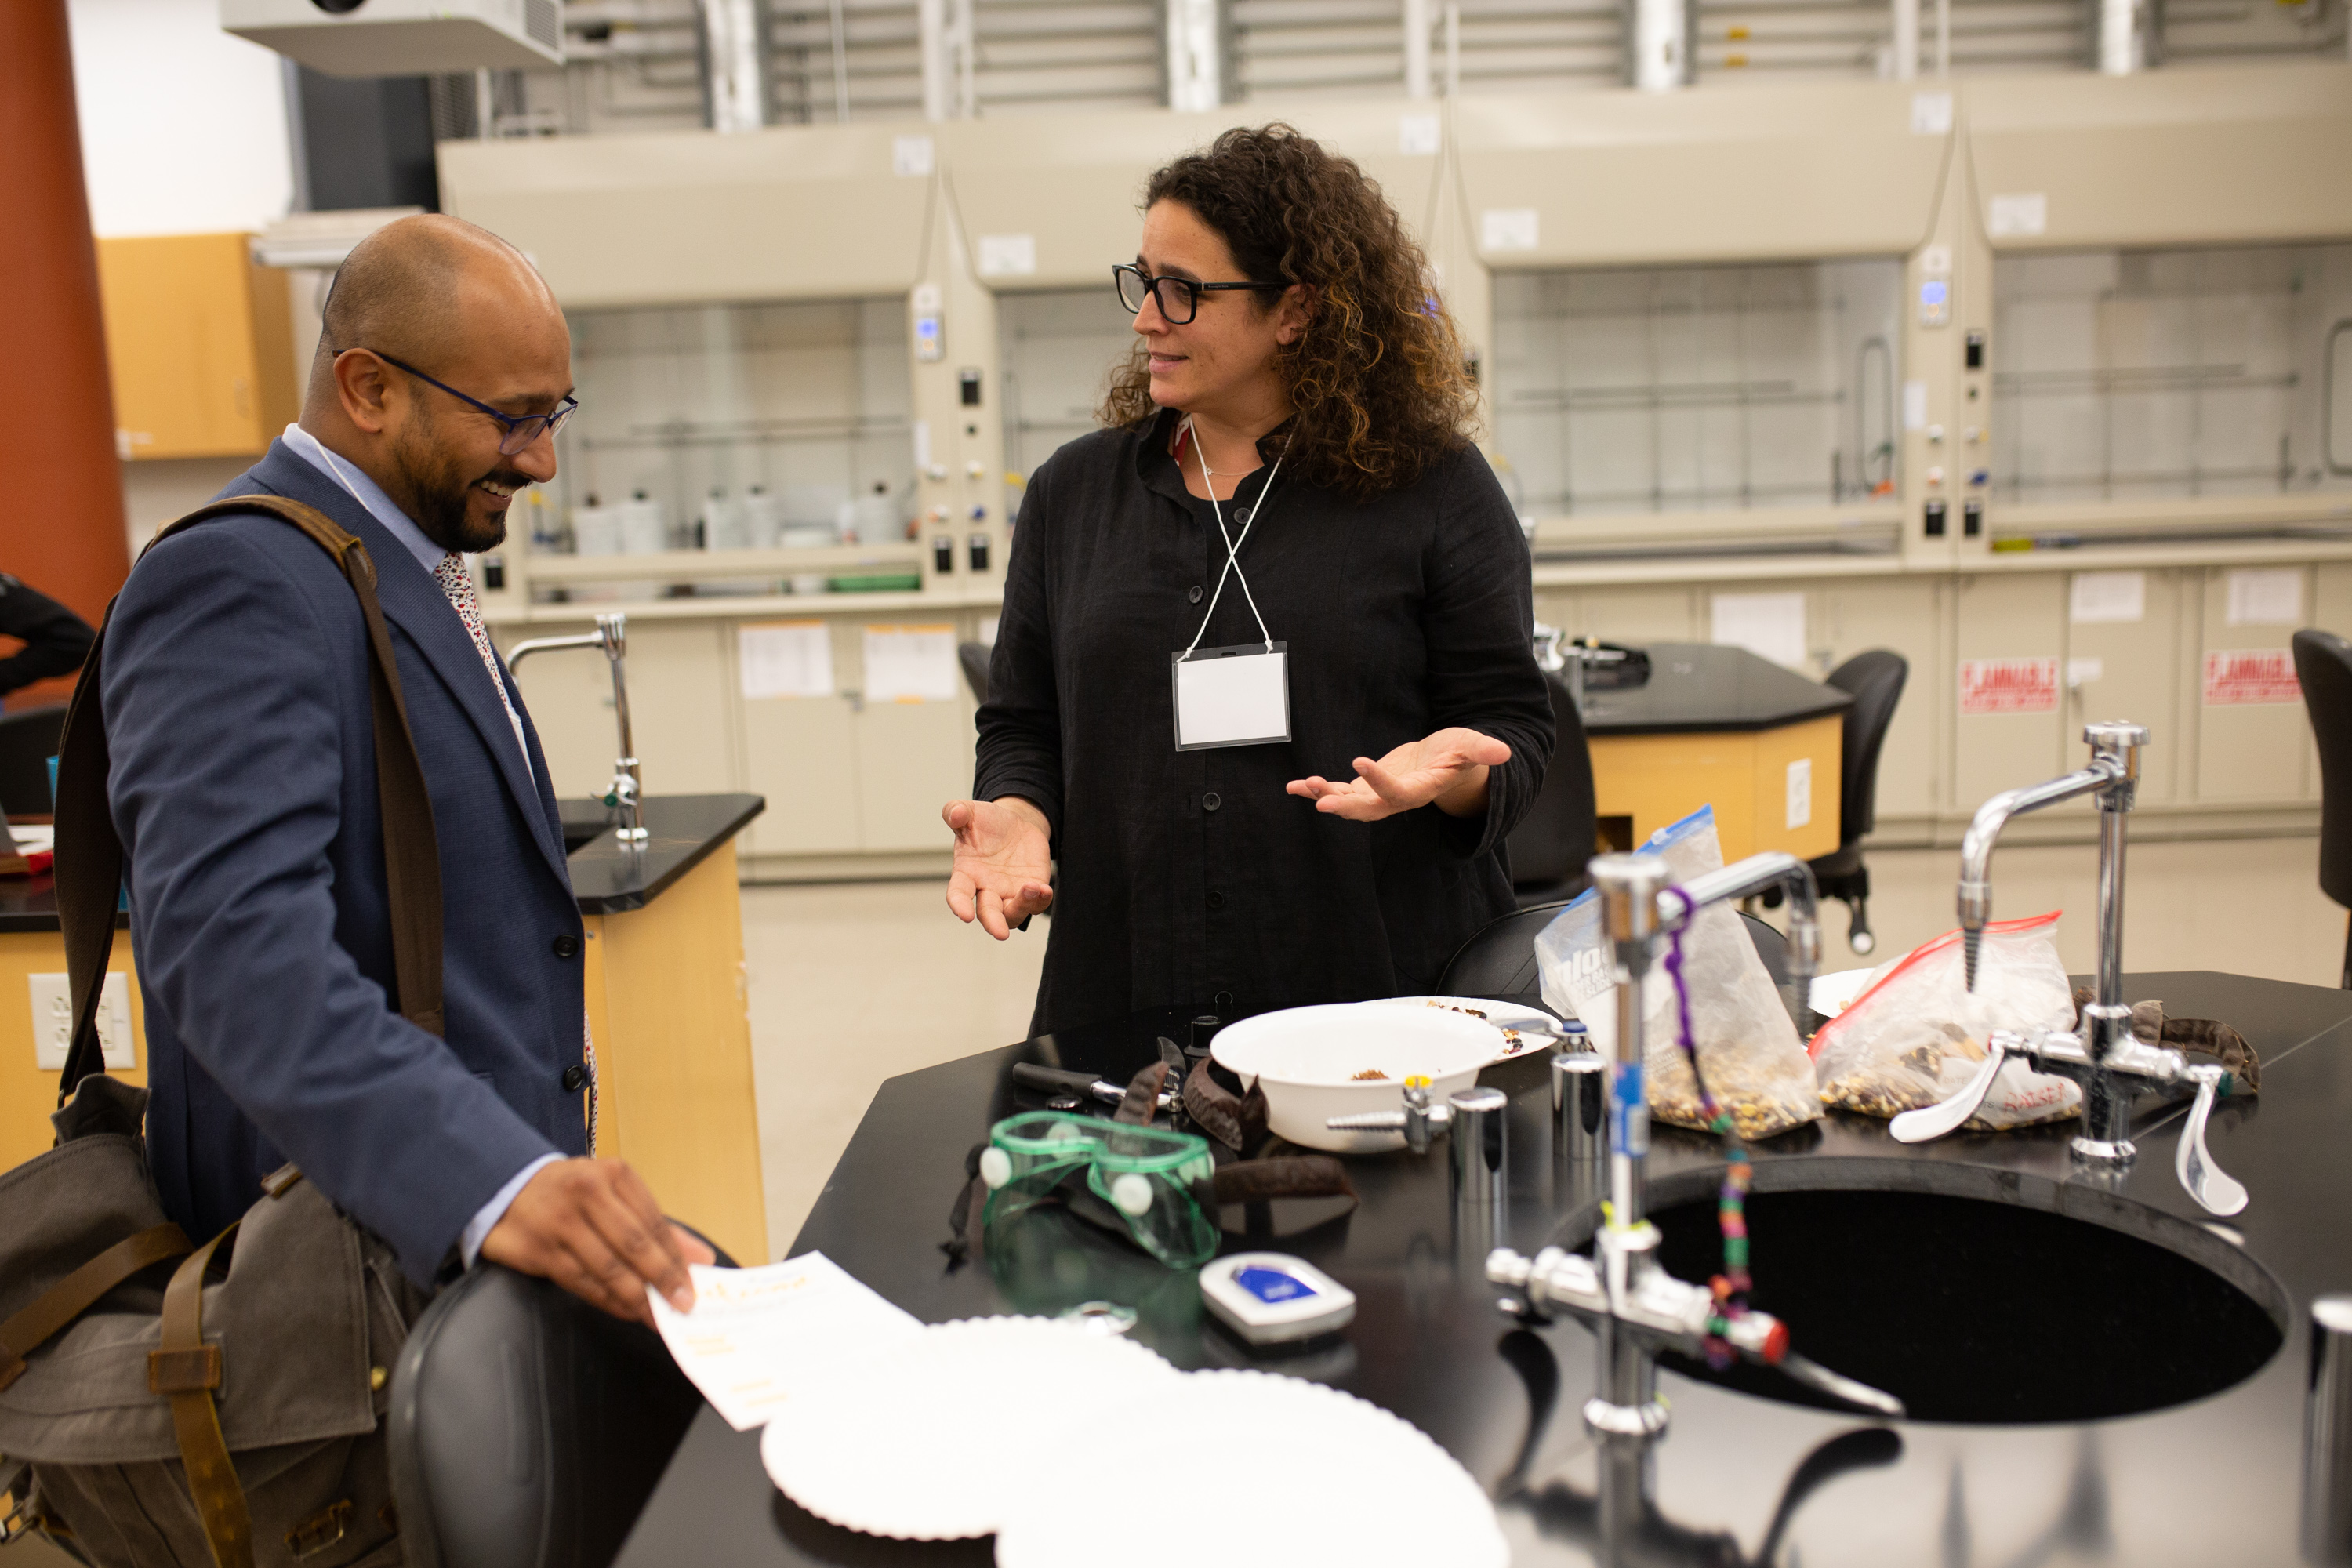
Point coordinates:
[(1933, 1120), (2207, 1183), (1418, 1120)]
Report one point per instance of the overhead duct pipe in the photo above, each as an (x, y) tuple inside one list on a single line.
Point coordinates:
[(733, 80), (1416, 49), (1661, 34), (1195, 48), (2119, 38), (1906, 39)]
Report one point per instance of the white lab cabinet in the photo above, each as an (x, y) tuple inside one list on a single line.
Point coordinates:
[(2131, 669), (1903, 616), (2249, 753), (2008, 618)]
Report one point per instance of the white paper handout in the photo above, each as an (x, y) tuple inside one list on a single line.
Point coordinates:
[(758, 1335), (785, 659), (910, 664)]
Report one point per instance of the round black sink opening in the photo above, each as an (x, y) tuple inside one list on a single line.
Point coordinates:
[(1982, 1311)]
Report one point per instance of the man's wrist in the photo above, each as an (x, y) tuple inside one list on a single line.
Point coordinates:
[(486, 1218)]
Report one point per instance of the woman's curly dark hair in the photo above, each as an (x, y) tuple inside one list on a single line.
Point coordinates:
[(1378, 379)]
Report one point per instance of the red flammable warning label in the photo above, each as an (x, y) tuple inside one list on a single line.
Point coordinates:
[(2249, 675), (2008, 685)]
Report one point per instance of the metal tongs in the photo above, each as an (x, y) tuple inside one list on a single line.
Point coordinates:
[(2062, 1052)]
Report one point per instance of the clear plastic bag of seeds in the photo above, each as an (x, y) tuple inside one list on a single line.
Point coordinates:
[(1755, 1066), (1916, 1034)]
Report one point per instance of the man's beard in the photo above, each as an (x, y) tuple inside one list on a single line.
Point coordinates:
[(439, 493)]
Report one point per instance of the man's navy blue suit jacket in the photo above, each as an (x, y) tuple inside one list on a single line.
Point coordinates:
[(243, 785)]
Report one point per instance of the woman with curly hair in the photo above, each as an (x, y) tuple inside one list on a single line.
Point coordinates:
[(1262, 685)]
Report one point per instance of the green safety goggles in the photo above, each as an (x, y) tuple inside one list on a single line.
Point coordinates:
[(1156, 1184)]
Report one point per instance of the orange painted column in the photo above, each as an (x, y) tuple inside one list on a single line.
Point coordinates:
[(61, 527)]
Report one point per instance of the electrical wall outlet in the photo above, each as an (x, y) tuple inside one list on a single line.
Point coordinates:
[(53, 1021)]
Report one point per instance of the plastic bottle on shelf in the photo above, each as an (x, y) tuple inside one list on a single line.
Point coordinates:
[(722, 522), (877, 516), (643, 530), (762, 516), (597, 529)]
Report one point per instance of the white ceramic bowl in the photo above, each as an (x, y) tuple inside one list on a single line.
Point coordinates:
[(1307, 1058)]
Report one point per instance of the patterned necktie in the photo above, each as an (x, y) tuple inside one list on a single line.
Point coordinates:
[(457, 584)]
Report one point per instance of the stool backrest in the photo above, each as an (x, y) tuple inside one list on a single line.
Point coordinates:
[(28, 739), (974, 658), (2323, 664), (1553, 841), (527, 1427), (1875, 681)]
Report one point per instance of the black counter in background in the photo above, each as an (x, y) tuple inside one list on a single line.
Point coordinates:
[(682, 830), (1710, 688)]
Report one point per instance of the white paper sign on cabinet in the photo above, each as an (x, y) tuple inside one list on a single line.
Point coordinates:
[(785, 659), (2266, 597), (2116, 596), (1771, 626), (910, 664)]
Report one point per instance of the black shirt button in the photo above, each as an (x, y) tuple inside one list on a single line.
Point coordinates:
[(565, 945), (1240, 514), (1216, 900), (1194, 594), (575, 1077), (1210, 801)]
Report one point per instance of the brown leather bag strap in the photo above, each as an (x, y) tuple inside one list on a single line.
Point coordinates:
[(70, 1297), (89, 853), (187, 1370)]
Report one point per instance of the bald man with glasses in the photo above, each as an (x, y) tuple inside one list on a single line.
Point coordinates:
[(235, 690)]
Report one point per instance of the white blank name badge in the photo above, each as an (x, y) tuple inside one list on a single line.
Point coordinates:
[(1232, 696)]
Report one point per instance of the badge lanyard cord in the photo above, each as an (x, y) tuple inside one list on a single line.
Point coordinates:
[(1233, 545)]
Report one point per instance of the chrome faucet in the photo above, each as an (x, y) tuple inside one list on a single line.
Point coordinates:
[(623, 795), (2110, 1065), (2063, 1053), (1633, 1305)]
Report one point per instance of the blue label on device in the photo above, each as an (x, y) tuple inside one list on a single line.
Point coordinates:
[(1630, 1123), (1272, 1284)]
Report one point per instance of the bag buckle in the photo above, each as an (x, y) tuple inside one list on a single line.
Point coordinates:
[(320, 1530), (183, 1372), (16, 1481)]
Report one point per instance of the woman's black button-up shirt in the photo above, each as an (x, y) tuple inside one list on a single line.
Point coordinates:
[(1183, 875)]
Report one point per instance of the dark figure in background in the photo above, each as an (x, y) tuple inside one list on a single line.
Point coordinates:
[(55, 639)]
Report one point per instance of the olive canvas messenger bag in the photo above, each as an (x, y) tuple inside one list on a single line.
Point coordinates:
[(228, 1410)]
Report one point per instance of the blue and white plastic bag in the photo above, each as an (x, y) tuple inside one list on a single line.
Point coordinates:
[(1755, 1066)]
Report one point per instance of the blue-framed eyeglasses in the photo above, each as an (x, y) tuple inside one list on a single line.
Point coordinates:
[(521, 429)]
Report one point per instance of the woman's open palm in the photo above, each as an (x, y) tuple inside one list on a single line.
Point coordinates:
[(1003, 857), (1438, 768)]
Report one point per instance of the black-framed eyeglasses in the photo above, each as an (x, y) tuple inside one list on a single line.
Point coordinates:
[(1180, 298), (521, 429)]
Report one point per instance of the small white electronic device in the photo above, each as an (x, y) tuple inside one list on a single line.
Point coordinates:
[(1271, 1298)]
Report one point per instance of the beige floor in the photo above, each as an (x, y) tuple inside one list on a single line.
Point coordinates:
[(854, 984)]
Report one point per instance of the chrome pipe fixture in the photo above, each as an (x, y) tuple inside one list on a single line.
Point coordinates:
[(2126, 1066), (2327, 1435), (2110, 1065), (1634, 1307), (624, 795)]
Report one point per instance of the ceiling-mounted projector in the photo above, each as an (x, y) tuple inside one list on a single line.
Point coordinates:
[(403, 38)]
